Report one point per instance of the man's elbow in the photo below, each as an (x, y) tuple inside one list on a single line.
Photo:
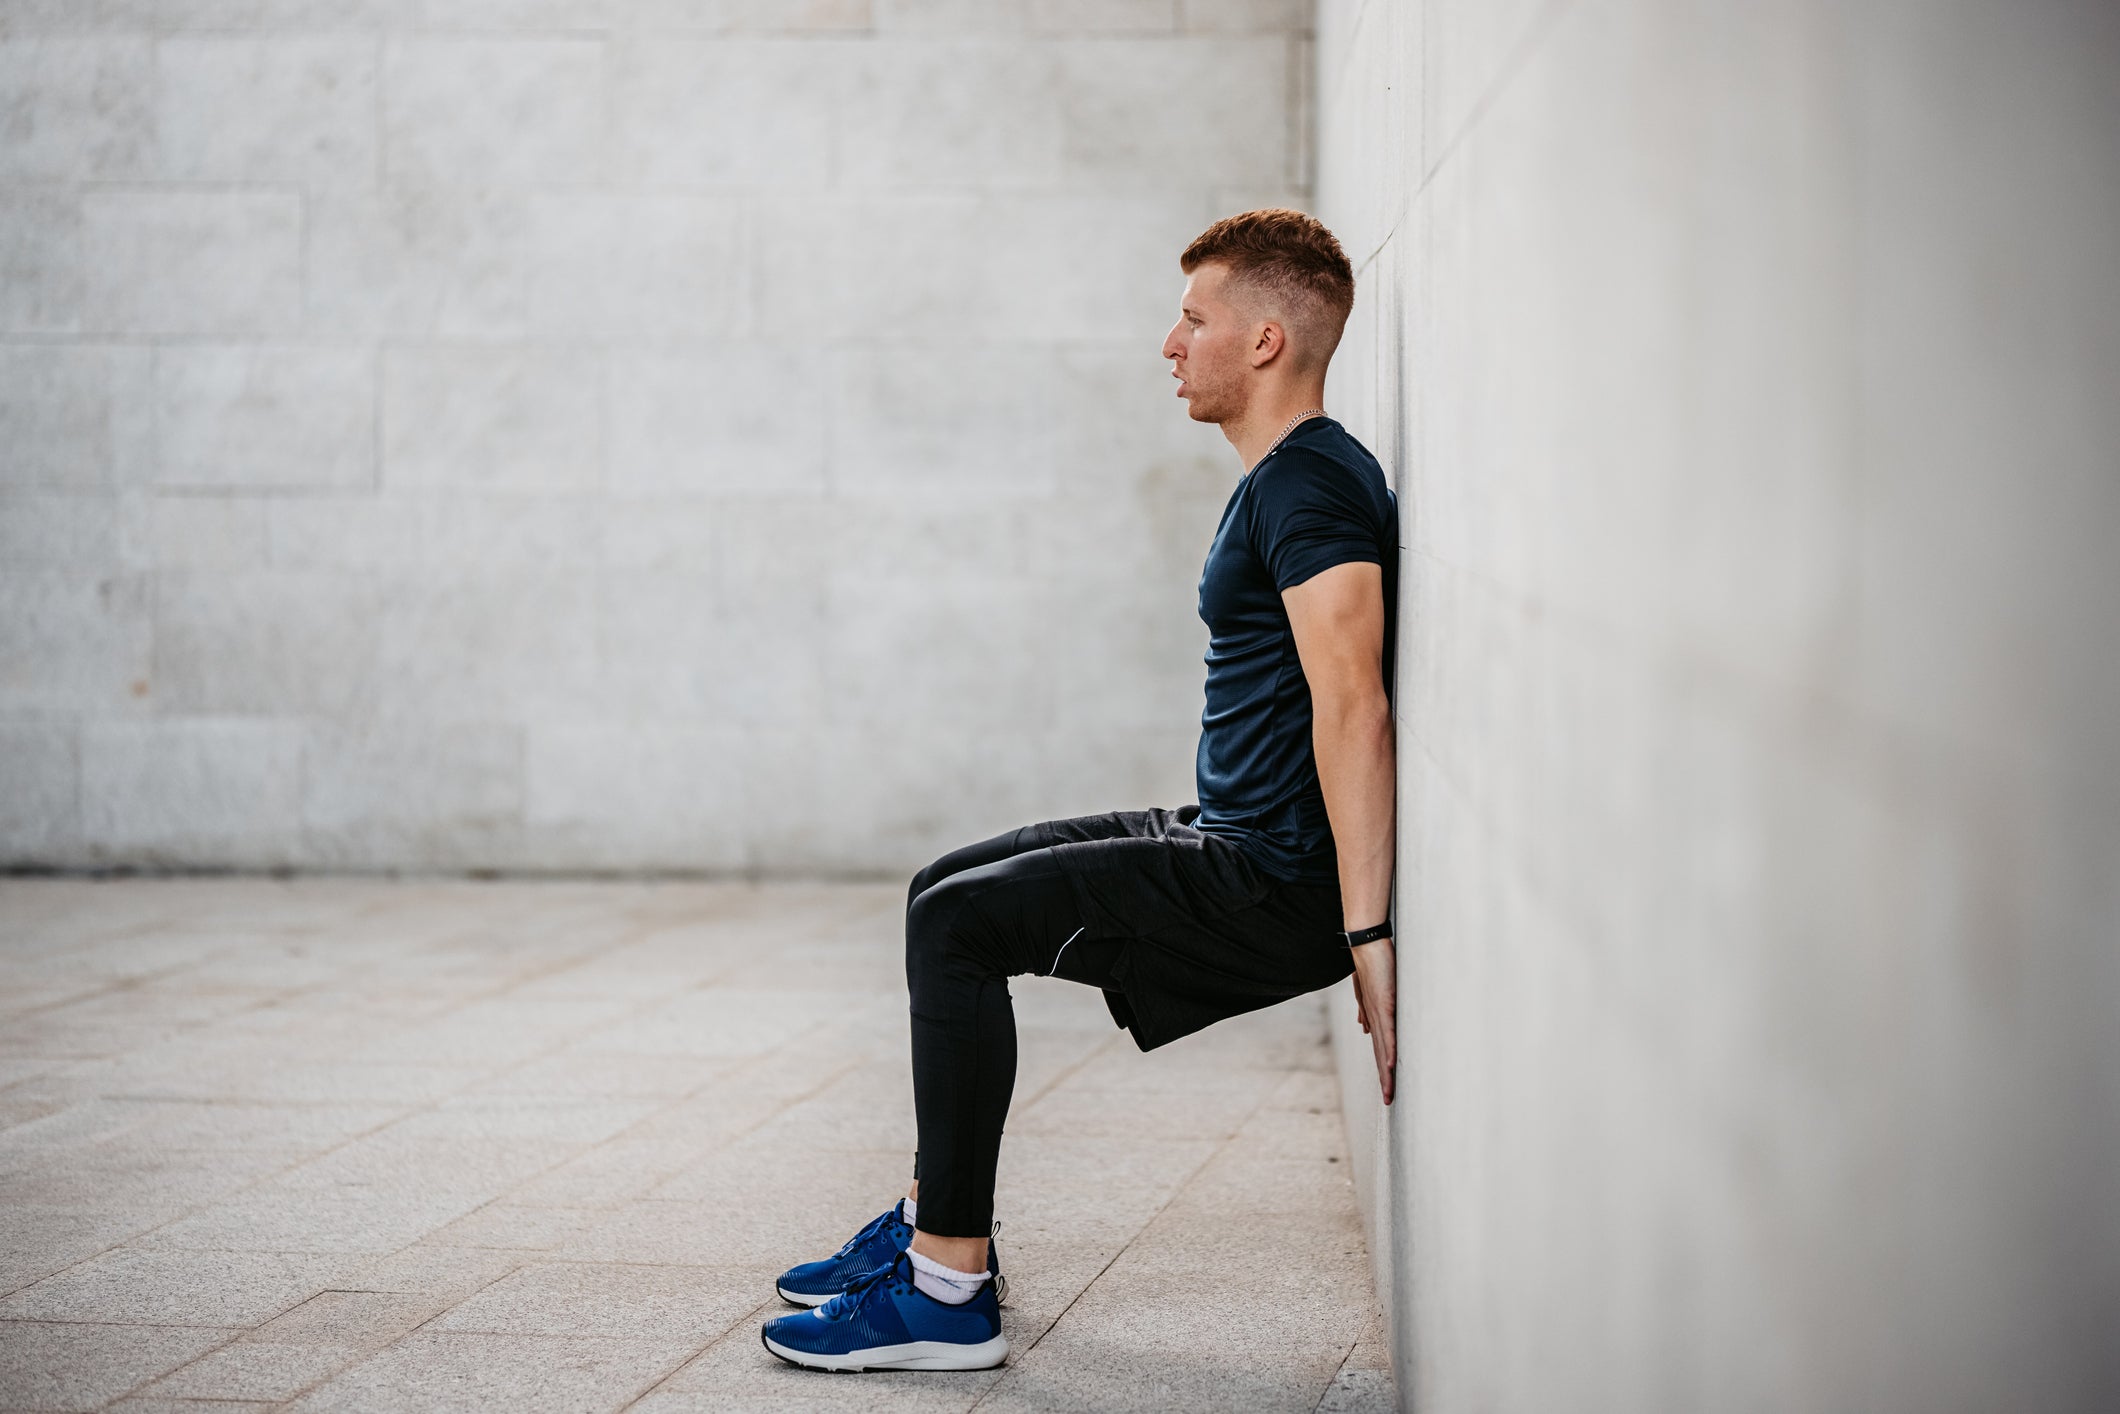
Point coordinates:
[(1351, 708)]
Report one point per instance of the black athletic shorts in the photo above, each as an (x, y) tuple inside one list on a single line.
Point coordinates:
[(1209, 934)]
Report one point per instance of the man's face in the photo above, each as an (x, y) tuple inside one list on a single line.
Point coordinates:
[(1210, 346)]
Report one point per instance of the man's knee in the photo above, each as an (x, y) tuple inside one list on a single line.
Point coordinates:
[(941, 929)]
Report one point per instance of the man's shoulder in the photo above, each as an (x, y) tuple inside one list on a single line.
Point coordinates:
[(1329, 465), (1328, 450)]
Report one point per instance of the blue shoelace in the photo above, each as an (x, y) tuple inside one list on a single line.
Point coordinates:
[(857, 1289), (882, 1221)]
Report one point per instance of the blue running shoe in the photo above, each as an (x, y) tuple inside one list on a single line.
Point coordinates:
[(883, 1322), (814, 1283)]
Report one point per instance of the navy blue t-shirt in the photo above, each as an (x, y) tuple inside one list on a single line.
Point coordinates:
[(1317, 500)]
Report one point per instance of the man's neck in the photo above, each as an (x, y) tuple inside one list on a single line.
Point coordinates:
[(1254, 432)]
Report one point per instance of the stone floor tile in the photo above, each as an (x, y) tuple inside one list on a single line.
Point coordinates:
[(1252, 1182), (1364, 1384), (414, 1163), (1051, 1177), (171, 1182), (139, 1287), (234, 1124), (545, 1145), (1360, 1391), (27, 995), (650, 1232), (1206, 1311), (1049, 1055), (514, 1227), (650, 967), (870, 1106), (68, 1124), (244, 1370), (677, 1304), (1190, 1073), (326, 1082), (716, 1022), (492, 1032), (15, 1069), (573, 1121), (427, 1269), (573, 1072), (365, 1319), (740, 1203), (49, 1365), (611, 1174), (746, 1097), (38, 1239), (115, 1176), (478, 1373), (1078, 1370), (275, 1218), (863, 962), (738, 1374), (1051, 1001), (1314, 1091), (1077, 1107)]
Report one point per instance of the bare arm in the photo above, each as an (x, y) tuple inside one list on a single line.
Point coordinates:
[(1338, 619)]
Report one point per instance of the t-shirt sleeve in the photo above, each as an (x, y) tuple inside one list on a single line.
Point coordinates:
[(1307, 515)]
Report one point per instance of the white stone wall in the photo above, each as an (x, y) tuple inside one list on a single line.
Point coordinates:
[(1751, 374), (608, 434)]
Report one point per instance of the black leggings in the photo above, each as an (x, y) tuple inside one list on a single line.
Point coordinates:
[(974, 918)]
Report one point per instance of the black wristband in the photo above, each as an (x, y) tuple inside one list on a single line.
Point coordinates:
[(1367, 935)]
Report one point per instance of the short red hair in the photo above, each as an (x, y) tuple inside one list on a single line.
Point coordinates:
[(1285, 263)]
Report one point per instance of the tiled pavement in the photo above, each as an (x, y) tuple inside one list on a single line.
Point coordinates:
[(347, 1144)]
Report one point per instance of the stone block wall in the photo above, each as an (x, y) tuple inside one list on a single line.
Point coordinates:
[(1748, 372), (606, 434)]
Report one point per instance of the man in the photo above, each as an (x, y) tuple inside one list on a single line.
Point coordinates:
[(1277, 883)]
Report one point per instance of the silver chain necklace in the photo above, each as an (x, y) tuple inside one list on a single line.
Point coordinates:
[(1311, 412)]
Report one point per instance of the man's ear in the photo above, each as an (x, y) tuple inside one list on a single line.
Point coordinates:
[(1270, 342)]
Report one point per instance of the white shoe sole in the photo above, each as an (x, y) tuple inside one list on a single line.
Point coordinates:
[(914, 1355), (1000, 1294)]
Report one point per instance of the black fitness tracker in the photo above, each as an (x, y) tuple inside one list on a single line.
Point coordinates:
[(1368, 935)]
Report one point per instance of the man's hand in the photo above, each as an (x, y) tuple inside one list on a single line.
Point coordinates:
[(1376, 1005)]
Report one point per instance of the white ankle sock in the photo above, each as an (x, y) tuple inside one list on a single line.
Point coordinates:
[(945, 1284), (912, 1212)]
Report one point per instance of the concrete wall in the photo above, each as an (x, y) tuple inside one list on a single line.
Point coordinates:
[(606, 433), (1749, 372)]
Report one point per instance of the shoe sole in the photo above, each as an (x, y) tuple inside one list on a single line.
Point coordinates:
[(914, 1355), (796, 1298)]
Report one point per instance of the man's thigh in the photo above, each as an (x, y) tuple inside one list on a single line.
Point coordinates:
[(1111, 824), (1206, 933), (1007, 916), (1158, 876), (1152, 823)]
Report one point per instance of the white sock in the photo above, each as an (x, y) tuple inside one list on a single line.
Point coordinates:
[(912, 1212), (945, 1284)]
